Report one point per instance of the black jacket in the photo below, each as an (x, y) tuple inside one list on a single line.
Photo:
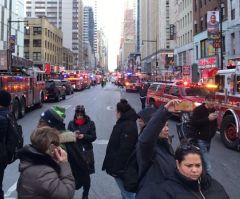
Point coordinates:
[(155, 156), (180, 187), (121, 143), (204, 128), (80, 154), (143, 91), (3, 135)]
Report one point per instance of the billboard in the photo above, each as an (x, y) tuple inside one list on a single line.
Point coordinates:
[(213, 25)]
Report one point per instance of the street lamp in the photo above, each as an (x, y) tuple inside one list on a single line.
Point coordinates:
[(9, 50), (153, 41), (221, 6)]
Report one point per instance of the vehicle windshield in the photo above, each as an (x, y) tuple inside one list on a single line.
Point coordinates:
[(191, 91), (50, 84), (132, 79)]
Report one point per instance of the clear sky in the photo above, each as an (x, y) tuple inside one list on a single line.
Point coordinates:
[(110, 18)]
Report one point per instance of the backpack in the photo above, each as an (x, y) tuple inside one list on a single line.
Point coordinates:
[(131, 178), (14, 140)]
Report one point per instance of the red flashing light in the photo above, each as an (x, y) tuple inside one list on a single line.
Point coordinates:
[(185, 83)]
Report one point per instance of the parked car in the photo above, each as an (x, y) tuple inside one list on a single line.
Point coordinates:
[(55, 90), (68, 86)]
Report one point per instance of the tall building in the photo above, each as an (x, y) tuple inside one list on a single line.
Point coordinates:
[(43, 43), (67, 15), (156, 18), (128, 34), (11, 10), (183, 53), (102, 50)]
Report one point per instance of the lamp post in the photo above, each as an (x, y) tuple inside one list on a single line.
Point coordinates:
[(156, 61), (9, 50), (221, 6)]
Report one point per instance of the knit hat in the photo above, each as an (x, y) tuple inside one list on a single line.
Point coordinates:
[(5, 98), (54, 117), (146, 114)]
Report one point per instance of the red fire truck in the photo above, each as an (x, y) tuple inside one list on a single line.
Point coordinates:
[(76, 81), (27, 89), (228, 102)]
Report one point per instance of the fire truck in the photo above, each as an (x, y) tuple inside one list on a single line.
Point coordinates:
[(228, 104), (76, 81), (26, 89)]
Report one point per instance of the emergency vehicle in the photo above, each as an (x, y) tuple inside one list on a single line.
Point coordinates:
[(132, 83), (228, 105), (76, 81), (26, 89)]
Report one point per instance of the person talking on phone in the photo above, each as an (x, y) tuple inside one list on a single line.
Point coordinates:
[(85, 129), (204, 123), (44, 168)]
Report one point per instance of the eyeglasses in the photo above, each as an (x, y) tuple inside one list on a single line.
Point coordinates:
[(189, 147)]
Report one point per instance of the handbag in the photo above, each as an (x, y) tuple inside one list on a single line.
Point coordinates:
[(88, 157)]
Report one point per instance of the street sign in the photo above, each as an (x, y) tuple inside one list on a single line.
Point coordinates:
[(217, 43)]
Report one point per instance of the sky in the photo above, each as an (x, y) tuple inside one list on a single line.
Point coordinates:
[(110, 18)]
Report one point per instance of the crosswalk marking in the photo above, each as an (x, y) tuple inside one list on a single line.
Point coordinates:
[(101, 142)]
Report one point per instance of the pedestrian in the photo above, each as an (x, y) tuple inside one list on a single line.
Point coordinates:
[(54, 118), (143, 94), (189, 180), (86, 134), (44, 169), (204, 123), (155, 155), (121, 144), (5, 100)]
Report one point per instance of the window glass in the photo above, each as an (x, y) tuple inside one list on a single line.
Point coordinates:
[(167, 89), (153, 87), (175, 91), (238, 84), (219, 80), (192, 91)]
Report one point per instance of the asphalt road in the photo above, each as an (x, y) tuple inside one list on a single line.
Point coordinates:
[(100, 106)]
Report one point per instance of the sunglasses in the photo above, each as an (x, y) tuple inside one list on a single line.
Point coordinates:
[(189, 147)]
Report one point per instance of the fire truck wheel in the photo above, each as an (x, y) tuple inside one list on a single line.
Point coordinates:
[(58, 97), (64, 96), (16, 108), (229, 133), (22, 108)]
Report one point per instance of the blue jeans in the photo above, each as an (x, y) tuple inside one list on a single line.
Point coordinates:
[(205, 148), (125, 194)]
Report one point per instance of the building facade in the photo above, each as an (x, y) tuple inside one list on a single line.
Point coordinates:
[(11, 10), (66, 15), (43, 43), (157, 49), (67, 59)]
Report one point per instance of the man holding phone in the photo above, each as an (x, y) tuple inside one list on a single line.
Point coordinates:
[(204, 123)]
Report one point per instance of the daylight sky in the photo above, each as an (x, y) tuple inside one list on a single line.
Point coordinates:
[(110, 17)]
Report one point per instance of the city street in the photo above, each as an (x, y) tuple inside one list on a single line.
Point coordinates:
[(100, 106)]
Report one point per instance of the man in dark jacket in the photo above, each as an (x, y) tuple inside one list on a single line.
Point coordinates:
[(5, 100), (121, 144), (204, 123), (143, 94)]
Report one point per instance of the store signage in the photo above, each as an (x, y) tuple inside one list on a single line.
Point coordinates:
[(186, 70), (207, 62)]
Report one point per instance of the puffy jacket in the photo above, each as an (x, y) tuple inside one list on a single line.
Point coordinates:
[(3, 135), (155, 156), (42, 178), (180, 187), (204, 128), (121, 143)]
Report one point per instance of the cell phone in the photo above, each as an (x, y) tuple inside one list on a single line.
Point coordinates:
[(185, 106)]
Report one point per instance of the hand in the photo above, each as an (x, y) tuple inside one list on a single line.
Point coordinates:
[(79, 136), (212, 116), (170, 106), (60, 155)]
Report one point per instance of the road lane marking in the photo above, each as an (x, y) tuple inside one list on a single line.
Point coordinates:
[(109, 108), (11, 190), (66, 106), (101, 142)]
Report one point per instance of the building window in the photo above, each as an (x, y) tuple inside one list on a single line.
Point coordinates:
[(233, 43), (197, 57), (27, 31), (26, 42), (37, 30), (36, 56), (203, 48), (37, 43), (26, 55)]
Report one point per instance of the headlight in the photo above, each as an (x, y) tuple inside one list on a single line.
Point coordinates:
[(74, 86), (197, 104)]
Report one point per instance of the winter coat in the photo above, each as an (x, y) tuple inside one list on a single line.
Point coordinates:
[(121, 144), (155, 156), (43, 178), (80, 154), (180, 187), (143, 91), (204, 128), (3, 135)]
